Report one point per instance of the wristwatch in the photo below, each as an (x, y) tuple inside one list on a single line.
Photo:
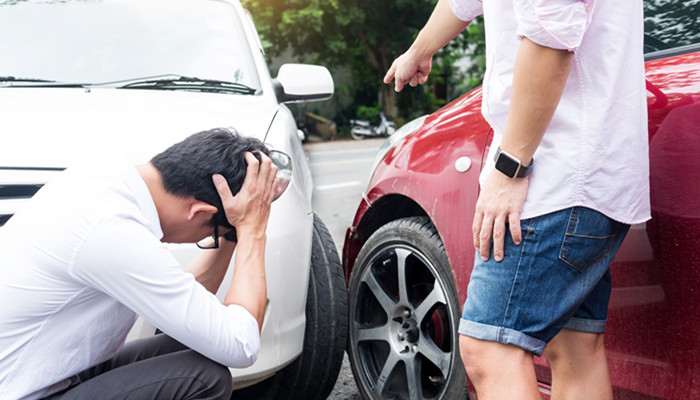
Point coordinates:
[(510, 166)]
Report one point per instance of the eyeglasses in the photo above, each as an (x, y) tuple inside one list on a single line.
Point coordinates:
[(206, 244), (283, 162)]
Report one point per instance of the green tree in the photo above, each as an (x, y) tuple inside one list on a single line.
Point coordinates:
[(365, 36), (671, 23)]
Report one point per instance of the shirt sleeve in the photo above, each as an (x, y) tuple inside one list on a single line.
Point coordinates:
[(124, 260), (558, 24), (467, 10)]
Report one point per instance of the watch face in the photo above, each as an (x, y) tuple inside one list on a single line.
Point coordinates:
[(507, 165)]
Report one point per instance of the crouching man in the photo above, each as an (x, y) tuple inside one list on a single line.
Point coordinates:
[(85, 257)]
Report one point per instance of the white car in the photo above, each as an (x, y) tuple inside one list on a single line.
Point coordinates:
[(84, 80)]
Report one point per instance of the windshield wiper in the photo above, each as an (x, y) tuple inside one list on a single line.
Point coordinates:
[(15, 79), (34, 82), (189, 83)]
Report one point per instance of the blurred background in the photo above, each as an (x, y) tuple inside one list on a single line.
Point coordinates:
[(358, 40)]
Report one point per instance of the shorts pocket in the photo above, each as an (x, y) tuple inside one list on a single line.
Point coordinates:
[(588, 239)]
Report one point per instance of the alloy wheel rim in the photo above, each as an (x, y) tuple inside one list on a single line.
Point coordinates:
[(404, 342)]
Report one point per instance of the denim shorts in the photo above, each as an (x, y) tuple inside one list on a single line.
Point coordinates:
[(558, 277)]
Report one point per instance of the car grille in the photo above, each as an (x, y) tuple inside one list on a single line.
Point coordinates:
[(19, 184), (16, 192), (4, 218)]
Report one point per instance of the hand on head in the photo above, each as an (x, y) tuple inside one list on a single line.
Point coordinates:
[(249, 209)]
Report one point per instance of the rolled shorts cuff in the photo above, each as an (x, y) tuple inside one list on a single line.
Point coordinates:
[(587, 325), (502, 335)]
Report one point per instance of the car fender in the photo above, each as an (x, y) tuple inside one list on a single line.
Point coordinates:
[(446, 151)]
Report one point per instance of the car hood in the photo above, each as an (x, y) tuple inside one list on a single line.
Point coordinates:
[(59, 127)]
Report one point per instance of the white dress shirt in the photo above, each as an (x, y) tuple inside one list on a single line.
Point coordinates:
[(78, 264), (595, 151)]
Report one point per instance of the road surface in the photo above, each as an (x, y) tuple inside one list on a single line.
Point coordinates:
[(340, 171)]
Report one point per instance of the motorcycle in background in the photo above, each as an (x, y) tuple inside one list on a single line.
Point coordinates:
[(361, 129)]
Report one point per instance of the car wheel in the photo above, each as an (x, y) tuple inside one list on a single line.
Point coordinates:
[(354, 132), (404, 312), (312, 376)]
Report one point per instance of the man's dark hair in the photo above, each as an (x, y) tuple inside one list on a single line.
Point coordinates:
[(187, 167)]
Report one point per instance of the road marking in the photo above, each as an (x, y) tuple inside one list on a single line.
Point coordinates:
[(355, 161), (361, 150), (338, 185)]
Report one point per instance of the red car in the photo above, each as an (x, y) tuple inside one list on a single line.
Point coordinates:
[(408, 254)]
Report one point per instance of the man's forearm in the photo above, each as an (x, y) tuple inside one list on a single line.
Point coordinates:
[(538, 83), (249, 286), (210, 266), (442, 26)]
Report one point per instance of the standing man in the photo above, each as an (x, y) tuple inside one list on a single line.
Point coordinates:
[(85, 257), (567, 174)]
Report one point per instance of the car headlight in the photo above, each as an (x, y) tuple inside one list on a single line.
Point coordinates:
[(283, 162), (398, 136)]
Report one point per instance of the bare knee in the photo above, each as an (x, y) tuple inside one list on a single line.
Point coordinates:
[(472, 351), (498, 371), (575, 348), (554, 352), (482, 358), (579, 366)]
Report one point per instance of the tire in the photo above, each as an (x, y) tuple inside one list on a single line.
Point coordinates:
[(354, 132), (404, 312), (312, 376)]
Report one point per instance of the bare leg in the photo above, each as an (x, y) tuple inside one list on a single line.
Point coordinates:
[(499, 371), (579, 366)]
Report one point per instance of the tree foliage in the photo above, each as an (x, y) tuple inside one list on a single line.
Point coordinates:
[(364, 37), (670, 23)]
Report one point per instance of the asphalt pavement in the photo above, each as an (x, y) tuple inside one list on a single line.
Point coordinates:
[(340, 171)]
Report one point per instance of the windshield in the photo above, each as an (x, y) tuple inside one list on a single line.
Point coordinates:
[(99, 41)]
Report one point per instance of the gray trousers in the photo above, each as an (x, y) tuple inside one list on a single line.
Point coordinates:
[(156, 367)]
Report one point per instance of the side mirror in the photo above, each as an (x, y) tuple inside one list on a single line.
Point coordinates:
[(303, 82)]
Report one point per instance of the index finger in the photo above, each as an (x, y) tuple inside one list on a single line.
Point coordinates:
[(251, 173), (253, 163), (476, 228), (390, 73), (485, 238), (266, 176), (265, 167)]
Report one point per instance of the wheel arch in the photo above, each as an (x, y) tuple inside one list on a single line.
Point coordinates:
[(385, 209), (379, 208)]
